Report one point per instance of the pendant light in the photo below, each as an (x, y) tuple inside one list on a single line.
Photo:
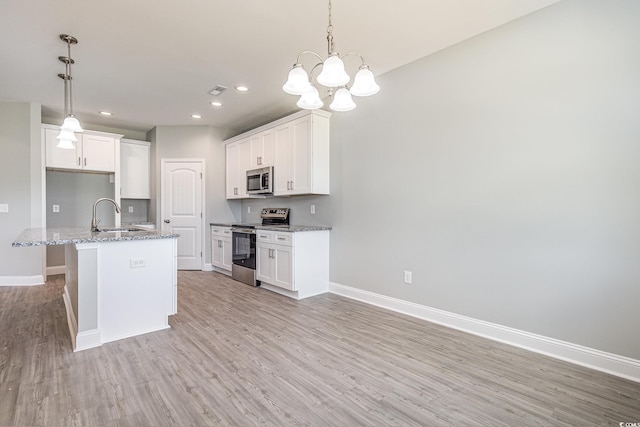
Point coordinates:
[(332, 75), (71, 125)]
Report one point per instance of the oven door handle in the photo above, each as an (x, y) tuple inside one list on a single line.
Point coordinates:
[(243, 230)]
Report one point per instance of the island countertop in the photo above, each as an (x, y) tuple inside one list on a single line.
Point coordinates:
[(72, 235)]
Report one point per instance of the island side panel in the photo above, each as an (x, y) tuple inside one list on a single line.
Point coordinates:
[(88, 335), (136, 287)]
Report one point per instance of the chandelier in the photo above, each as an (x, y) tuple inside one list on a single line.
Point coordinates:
[(332, 76), (71, 125)]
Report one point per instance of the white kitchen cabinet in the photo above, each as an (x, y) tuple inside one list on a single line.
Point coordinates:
[(135, 169), (302, 156), (237, 162), (274, 259), (261, 149), (298, 148), (94, 152), (293, 264), (221, 257)]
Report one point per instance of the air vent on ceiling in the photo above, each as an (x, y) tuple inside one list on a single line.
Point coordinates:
[(217, 90)]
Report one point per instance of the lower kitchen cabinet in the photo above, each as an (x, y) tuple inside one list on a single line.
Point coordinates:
[(293, 264), (221, 249)]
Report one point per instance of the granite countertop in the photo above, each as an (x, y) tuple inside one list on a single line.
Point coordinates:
[(285, 228), (71, 235)]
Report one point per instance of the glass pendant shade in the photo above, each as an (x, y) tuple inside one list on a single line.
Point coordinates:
[(342, 101), (298, 81), (72, 124), (364, 84), (66, 138), (310, 100), (333, 73)]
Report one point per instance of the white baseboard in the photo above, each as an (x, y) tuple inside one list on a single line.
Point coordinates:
[(21, 280), (207, 267), (87, 339), (613, 364), (55, 269)]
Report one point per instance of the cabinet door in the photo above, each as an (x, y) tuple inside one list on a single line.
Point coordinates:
[(98, 153), (227, 255), (282, 160), (283, 276), (134, 170), (261, 150), (264, 263), (217, 251), (233, 152), (301, 156), (237, 158), (60, 157)]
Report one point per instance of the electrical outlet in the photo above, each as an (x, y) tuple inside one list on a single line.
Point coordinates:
[(248, 209), (56, 208), (137, 262), (313, 209), (4, 208), (130, 209), (408, 277)]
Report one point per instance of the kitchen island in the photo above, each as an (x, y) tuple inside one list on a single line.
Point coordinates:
[(118, 283)]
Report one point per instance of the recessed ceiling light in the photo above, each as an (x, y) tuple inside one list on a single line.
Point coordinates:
[(216, 103), (106, 113), (241, 88), (196, 116)]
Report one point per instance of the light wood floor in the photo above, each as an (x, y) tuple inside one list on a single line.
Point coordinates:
[(244, 356)]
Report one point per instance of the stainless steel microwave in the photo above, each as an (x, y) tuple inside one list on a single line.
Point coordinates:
[(260, 181)]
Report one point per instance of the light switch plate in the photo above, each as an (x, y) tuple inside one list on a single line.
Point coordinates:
[(56, 208), (4, 208), (137, 262), (130, 209)]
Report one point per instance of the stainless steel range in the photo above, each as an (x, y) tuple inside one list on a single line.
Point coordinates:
[(243, 243)]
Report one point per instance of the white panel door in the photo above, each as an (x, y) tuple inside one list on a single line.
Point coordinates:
[(182, 209)]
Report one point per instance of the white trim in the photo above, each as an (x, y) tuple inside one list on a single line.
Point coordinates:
[(22, 280), (613, 364), (55, 269), (207, 267), (87, 339), (71, 318)]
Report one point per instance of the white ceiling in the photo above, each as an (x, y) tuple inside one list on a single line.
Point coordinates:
[(152, 62)]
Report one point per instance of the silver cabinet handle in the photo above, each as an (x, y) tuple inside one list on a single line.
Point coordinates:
[(85, 161), (281, 238), (79, 163), (167, 221), (219, 243)]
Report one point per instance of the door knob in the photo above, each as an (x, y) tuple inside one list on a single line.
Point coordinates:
[(167, 221)]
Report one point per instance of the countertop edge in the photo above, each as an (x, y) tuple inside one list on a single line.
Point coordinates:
[(289, 229)]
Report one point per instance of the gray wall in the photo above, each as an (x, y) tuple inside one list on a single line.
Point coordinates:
[(507, 166), (20, 186), (75, 194), (190, 142)]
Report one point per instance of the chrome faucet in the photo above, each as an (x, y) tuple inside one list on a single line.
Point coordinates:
[(94, 221)]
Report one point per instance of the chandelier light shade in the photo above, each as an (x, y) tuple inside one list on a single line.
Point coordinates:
[(310, 100), (332, 75), (67, 136), (342, 100)]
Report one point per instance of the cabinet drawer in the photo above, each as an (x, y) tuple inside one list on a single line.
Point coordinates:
[(264, 236), (283, 239), (220, 231)]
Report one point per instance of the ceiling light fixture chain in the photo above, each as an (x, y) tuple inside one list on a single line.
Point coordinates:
[(71, 125), (332, 75)]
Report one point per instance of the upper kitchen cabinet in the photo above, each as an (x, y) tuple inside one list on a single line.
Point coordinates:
[(134, 169), (261, 149), (297, 146), (95, 151), (237, 163), (302, 156)]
